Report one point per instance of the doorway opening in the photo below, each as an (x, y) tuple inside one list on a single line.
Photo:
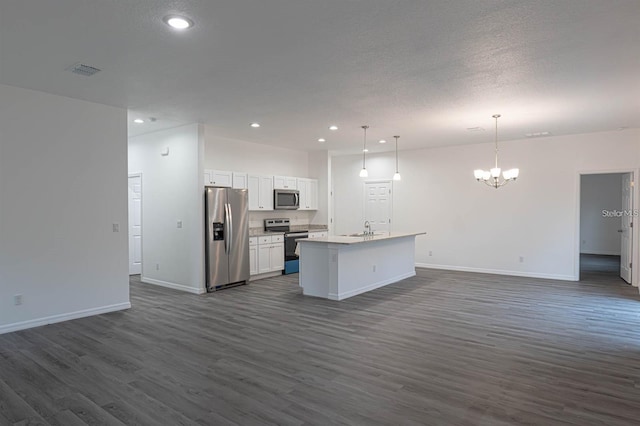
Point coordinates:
[(606, 217)]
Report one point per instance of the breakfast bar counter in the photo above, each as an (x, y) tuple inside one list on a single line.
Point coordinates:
[(339, 267)]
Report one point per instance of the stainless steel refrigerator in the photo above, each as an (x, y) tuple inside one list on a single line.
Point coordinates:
[(227, 239)]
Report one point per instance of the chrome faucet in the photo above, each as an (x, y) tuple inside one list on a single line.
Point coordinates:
[(367, 228)]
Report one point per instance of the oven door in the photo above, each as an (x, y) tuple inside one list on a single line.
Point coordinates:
[(290, 244)]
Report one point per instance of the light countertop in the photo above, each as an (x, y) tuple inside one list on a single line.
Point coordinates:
[(343, 239)]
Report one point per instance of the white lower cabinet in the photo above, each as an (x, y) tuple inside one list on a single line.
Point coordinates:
[(264, 259), (277, 257), (266, 254), (253, 256)]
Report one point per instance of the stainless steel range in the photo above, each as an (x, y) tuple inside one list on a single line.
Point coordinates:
[(291, 261)]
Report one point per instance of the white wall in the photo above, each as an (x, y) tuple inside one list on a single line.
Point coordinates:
[(473, 227), (171, 191), (63, 184), (320, 168), (599, 234), (241, 156)]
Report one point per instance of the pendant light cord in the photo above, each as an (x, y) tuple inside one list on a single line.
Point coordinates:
[(364, 146), (496, 116), (396, 153)]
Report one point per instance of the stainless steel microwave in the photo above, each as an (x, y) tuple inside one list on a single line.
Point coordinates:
[(286, 199)]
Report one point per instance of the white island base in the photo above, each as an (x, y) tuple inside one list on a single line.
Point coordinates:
[(336, 268)]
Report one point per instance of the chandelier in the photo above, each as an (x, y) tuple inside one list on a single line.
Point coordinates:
[(492, 177)]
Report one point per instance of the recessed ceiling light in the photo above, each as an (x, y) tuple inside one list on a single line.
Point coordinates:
[(475, 129), (138, 120), (333, 127), (382, 141), (622, 128), (178, 22), (365, 150), (255, 125), (322, 140)]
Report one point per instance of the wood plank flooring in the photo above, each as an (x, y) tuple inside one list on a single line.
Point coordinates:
[(441, 348)]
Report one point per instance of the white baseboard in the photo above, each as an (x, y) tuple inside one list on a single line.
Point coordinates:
[(23, 325), (498, 272), (174, 286), (601, 252), (347, 294)]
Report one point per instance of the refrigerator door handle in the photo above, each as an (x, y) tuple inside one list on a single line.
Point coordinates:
[(226, 228), (230, 228)]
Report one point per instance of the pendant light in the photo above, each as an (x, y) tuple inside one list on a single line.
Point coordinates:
[(492, 177), (397, 176), (364, 173)]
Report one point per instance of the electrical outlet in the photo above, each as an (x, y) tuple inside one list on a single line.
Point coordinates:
[(116, 227), (521, 259), (374, 268), (17, 299), (179, 224), (430, 253), (157, 266)]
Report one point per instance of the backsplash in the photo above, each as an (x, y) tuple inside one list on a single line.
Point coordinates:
[(297, 218)]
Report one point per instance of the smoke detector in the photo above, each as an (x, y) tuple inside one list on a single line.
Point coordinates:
[(83, 69)]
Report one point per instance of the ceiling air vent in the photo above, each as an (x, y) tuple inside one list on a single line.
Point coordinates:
[(82, 69)]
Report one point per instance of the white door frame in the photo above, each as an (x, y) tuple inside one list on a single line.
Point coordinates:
[(132, 175), (635, 256), (364, 198)]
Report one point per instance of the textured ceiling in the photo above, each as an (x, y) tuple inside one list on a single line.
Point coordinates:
[(425, 70)]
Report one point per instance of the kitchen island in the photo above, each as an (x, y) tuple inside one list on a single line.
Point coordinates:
[(339, 267)]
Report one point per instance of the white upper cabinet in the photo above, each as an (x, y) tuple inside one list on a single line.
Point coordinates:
[(284, 182), (260, 192), (218, 178), (308, 193), (240, 180)]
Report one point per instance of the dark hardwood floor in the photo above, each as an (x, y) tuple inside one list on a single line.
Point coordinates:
[(599, 266), (442, 348)]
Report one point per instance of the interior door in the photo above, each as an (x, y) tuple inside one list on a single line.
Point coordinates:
[(627, 221), (378, 205), (135, 225)]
